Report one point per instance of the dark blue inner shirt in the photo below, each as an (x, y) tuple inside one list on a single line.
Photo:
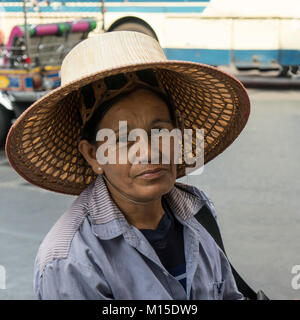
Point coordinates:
[(167, 241)]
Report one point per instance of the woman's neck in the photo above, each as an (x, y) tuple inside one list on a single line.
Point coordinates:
[(142, 215)]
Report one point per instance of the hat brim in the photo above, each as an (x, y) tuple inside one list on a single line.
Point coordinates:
[(42, 143)]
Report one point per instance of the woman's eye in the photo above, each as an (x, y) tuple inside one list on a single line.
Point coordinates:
[(159, 131)]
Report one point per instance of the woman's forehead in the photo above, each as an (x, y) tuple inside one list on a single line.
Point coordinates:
[(139, 106)]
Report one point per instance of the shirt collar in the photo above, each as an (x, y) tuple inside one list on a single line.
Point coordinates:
[(108, 221)]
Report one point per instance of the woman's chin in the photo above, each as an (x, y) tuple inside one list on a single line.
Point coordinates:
[(153, 189)]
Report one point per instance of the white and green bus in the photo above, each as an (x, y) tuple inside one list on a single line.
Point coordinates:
[(247, 34)]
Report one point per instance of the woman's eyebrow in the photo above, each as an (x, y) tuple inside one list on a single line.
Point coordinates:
[(116, 130), (122, 129), (160, 120)]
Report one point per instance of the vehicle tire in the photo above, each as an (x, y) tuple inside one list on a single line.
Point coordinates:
[(294, 69), (134, 26), (5, 122), (283, 72)]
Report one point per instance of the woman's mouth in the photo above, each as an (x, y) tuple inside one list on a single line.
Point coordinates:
[(151, 174)]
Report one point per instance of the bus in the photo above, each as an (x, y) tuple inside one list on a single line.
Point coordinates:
[(251, 34)]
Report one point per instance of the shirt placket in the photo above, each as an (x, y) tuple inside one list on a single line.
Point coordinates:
[(135, 238), (191, 251)]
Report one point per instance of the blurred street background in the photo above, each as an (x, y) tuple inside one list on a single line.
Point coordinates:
[(254, 185)]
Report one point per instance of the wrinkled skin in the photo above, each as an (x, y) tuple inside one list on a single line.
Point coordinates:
[(141, 109)]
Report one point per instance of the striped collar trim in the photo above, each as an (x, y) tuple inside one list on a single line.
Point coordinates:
[(108, 220)]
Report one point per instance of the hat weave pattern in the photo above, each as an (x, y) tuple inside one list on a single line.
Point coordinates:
[(42, 144), (102, 93)]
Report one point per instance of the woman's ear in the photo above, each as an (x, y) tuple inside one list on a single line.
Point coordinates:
[(88, 151)]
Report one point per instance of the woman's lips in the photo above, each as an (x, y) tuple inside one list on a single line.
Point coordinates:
[(153, 173)]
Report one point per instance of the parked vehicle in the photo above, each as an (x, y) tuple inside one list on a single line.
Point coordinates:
[(29, 72), (249, 34)]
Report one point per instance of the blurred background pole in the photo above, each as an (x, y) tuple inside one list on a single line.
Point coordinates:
[(103, 11), (26, 32)]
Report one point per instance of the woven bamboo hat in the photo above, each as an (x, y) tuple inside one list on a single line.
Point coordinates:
[(42, 143)]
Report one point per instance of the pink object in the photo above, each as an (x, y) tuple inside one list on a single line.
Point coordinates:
[(15, 32), (47, 29), (80, 26)]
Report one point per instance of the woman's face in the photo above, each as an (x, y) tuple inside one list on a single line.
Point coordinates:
[(142, 109)]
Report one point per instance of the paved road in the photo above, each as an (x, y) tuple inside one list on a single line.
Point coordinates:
[(254, 185)]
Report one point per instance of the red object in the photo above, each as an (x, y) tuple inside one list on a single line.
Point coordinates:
[(28, 60)]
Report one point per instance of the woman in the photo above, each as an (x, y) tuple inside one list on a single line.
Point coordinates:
[(131, 233)]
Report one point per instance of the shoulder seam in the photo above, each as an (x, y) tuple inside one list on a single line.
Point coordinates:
[(57, 242)]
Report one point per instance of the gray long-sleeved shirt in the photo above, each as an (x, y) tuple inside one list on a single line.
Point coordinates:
[(92, 252)]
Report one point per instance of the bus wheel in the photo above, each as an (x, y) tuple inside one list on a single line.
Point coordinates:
[(294, 69), (6, 117), (283, 71), (134, 26)]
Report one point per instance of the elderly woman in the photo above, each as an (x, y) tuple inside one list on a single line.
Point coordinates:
[(131, 233)]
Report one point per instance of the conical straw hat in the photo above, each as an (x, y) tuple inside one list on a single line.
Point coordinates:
[(42, 143)]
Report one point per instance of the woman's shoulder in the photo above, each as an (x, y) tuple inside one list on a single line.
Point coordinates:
[(57, 242)]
